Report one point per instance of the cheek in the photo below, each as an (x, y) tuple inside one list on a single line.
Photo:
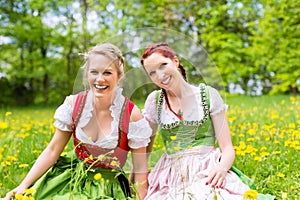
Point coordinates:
[(154, 79)]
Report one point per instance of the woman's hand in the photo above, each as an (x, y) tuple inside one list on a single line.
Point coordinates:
[(17, 190), (217, 177)]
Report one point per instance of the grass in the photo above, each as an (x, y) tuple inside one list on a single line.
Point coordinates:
[(265, 134)]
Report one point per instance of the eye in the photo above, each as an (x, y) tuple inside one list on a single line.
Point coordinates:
[(162, 65), (151, 73), (94, 72), (107, 73)]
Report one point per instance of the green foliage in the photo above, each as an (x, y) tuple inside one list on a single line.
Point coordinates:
[(253, 44)]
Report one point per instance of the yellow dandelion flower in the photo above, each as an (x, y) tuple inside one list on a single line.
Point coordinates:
[(19, 196), (7, 114), (176, 148), (5, 163), (12, 158), (27, 126), (23, 165), (91, 157), (263, 148), (173, 137), (3, 125), (292, 126), (284, 195), (265, 154), (242, 145), (257, 158), (29, 191), (63, 153), (276, 152), (250, 195), (37, 151), (251, 131), (280, 175), (98, 176), (292, 188), (114, 163)]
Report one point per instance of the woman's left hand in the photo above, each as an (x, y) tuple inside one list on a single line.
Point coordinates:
[(217, 177)]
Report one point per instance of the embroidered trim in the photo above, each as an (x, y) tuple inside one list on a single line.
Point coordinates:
[(204, 101)]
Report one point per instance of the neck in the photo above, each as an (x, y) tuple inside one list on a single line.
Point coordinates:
[(181, 90), (103, 103)]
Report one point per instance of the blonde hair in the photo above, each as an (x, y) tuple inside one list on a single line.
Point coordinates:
[(108, 50)]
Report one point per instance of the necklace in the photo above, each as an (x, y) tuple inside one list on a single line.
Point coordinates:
[(180, 112)]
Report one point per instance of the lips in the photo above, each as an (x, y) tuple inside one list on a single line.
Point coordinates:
[(166, 81), (100, 87)]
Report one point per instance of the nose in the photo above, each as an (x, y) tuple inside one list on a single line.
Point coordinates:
[(160, 74), (100, 77)]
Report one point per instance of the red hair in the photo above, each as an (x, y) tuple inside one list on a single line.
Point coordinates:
[(165, 50)]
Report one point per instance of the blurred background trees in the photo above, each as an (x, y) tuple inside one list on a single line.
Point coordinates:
[(254, 44)]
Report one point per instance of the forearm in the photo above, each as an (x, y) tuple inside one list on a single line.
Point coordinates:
[(48, 157), (42, 164), (227, 159), (141, 182), (140, 171)]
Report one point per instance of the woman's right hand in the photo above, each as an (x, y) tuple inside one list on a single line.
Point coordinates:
[(17, 190)]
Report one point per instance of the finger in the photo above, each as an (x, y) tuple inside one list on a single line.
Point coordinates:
[(8, 195), (215, 180), (209, 178), (224, 183), (220, 182)]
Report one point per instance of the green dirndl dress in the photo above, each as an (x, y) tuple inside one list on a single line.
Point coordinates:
[(195, 146), (80, 176), (70, 178)]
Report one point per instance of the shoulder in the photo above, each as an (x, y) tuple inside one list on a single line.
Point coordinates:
[(153, 95), (71, 99), (136, 114)]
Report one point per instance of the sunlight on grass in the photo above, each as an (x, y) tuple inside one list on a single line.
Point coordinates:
[(265, 134)]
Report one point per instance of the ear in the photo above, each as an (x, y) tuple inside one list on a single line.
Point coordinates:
[(176, 60)]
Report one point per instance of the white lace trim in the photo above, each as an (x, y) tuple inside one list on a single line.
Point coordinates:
[(167, 117), (139, 132)]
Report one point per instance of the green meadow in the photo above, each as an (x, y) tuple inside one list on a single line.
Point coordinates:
[(265, 134)]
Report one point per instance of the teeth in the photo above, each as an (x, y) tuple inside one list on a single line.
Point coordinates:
[(100, 87), (166, 81)]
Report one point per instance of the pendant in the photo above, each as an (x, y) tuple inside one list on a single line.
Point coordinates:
[(180, 112)]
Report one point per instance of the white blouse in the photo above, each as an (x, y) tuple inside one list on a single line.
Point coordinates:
[(139, 132), (195, 112)]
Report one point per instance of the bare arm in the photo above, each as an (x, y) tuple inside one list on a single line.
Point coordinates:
[(152, 138), (46, 159), (221, 128), (140, 171)]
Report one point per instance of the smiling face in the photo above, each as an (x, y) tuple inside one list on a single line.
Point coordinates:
[(162, 70), (102, 75)]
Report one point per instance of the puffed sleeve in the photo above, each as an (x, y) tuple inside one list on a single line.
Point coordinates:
[(150, 111), (139, 134), (63, 116), (216, 102)]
